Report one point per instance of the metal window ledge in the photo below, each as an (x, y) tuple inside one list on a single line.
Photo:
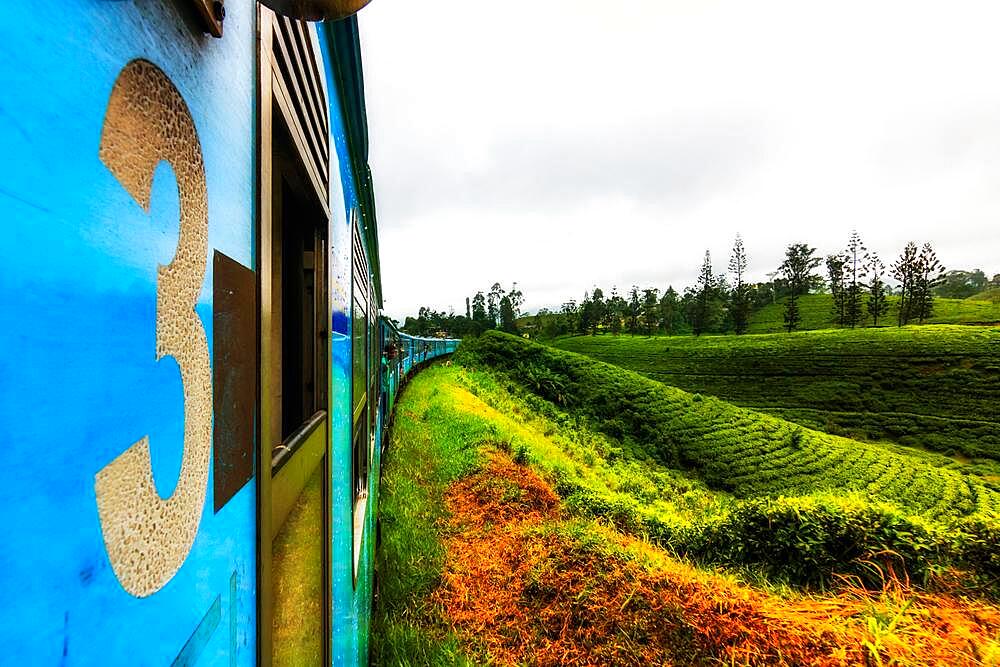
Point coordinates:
[(293, 465)]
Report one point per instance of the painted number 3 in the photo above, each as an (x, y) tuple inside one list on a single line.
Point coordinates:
[(147, 537)]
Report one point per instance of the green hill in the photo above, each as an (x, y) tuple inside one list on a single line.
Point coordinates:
[(496, 547), (817, 309), (991, 295), (935, 387), (745, 452), (806, 500)]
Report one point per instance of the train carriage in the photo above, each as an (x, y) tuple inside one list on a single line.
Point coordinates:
[(193, 361)]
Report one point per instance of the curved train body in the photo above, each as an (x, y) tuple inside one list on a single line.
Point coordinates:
[(194, 373)]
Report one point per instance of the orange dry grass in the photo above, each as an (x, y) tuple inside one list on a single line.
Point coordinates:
[(542, 597)]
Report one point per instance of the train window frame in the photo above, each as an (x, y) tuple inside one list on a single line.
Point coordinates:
[(292, 97), (361, 428), (291, 204)]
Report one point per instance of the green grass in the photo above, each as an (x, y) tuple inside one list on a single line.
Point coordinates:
[(934, 387), (992, 295), (582, 462), (426, 453), (817, 313), (809, 503)]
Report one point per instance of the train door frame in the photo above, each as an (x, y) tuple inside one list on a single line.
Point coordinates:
[(293, 109)]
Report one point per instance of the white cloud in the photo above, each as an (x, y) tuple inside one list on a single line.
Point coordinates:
[(565, 143)]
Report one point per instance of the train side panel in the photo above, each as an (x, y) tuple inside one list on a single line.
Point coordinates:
[(127, 138), (350, 570)]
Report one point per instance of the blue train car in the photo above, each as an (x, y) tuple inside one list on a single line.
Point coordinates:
[(193, 373), (403, 354)]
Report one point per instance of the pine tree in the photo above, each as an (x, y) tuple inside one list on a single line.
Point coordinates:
[(633, 310), (493, 304), (928, 276), (669, 311), (516, 299), (854, 270), (798, 271), (740, 302), (835, 270), (480, 318), (905, 271), (586, 313), (701, 316), (650, 310), (878, 306), (598, 308), (612, 313)]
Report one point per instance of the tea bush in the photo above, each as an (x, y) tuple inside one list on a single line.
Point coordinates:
[(929, 386), (808, 505)]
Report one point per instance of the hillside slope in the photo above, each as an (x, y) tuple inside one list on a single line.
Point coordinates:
[(929, 386), (741, 451), (486, 559), (992, 295), (817, 313)]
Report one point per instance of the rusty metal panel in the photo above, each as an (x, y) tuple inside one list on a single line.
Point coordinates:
[(234, 368)]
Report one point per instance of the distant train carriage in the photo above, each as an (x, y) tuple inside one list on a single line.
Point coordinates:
[(195, 374)]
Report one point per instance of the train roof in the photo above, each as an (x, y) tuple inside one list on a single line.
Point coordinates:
[(389, 323)]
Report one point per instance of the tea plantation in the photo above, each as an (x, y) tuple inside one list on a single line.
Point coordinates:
[(936, 387), (817, 313), (809, 503), (509, 536)]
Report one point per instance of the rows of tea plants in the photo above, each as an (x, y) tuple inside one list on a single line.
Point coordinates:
[(742, 451), (858, 511), (459, 517), (932, 386)]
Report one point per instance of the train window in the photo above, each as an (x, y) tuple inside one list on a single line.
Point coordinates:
[(359, 372), (359, 461), (359, 338), (362, 343), (298, 297)]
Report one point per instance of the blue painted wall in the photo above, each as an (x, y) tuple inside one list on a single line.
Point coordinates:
[(79, 380)]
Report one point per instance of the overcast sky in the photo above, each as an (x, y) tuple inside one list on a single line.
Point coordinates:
[(562, 144)]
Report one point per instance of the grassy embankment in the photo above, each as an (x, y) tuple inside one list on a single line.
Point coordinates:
[(483, 561), (933, 387), (817, 313)]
